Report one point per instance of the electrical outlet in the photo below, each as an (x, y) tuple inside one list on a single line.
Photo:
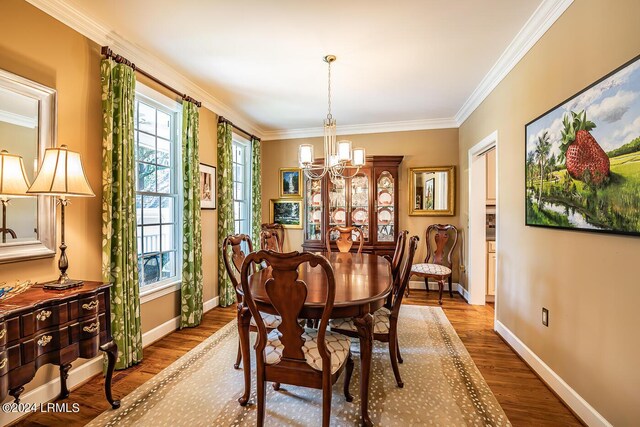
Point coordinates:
[(545, 317)]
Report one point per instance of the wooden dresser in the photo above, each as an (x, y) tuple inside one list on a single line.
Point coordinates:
[(42, 326)]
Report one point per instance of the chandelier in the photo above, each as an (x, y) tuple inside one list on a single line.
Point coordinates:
[(339, 161)]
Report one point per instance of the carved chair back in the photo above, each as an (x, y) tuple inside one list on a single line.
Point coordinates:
[(278, 229), (402, 279), (345, 238), (441, 234), (269, 240), (287, 295), (233, 256), (396, 262)]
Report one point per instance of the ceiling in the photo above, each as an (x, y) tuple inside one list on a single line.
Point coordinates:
[(408, 60)]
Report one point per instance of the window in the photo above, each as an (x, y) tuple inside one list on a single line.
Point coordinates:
[(241, 185), (158, 201)]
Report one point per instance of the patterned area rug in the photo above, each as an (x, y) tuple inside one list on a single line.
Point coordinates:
[(442, 386)]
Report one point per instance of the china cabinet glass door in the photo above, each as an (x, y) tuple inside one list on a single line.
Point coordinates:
[(313, 196), (337, 204), (385, 207), (360, 203)]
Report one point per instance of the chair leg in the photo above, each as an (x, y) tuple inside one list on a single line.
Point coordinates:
[(426, 283), (326, 404), (347, 379), (440, 289), (450, 287), (398, 350), (239, 356), (393, 352), (262, 391)]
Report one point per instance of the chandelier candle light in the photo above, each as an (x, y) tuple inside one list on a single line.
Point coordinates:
[(339, 157), (62, 175)]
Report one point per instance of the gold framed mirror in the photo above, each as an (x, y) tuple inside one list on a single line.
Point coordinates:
[(432, 191)]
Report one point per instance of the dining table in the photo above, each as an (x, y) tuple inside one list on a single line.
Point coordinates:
[(363, 283)]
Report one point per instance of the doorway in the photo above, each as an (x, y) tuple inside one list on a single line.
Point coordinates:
[(483, 210)]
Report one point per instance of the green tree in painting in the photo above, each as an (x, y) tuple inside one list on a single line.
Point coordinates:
[(543, 147), (530, 168)]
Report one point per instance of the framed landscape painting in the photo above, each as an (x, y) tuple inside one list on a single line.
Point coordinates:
[(582, 158), (286, 212), (290, 183)]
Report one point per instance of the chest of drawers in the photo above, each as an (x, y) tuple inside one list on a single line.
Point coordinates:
[(41, 326)]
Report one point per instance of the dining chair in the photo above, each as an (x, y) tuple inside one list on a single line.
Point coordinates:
[(270, 240), (278, 228), (385, 319), (345, 238), (396, 261), (437, 264), (233, 257), (292, 354)]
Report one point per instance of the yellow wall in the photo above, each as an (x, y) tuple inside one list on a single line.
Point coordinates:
[(589, 282), (419, 148), (36, 46)]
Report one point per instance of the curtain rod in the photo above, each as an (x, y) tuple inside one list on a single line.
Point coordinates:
[(224, 120), (106, 51)]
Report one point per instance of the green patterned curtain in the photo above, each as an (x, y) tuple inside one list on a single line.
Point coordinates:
[(225, 209), (191, 290), (119, 246), (256, 190)]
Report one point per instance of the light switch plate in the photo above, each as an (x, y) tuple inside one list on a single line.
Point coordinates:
[(545, 317)]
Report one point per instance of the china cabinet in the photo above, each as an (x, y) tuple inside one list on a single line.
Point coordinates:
[(368, 200)]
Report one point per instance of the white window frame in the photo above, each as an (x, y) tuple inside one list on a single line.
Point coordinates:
[(239, 140), (168, 105)]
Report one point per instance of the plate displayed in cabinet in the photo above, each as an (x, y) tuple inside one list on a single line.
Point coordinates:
[(316, 199), (339, 216), (385, 198), (316, 217), (385, 182), (385, 216), (359, 216)]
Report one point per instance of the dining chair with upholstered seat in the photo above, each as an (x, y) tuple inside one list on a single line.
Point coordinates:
[(345, 238), (278, 229), (292, 354), (233, 257), (385, 319), (396, 260), (270, 240), (437, 264)]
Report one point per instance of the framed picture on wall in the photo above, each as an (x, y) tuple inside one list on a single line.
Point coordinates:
[(286, 212), (207, 186), (290, 183), (582, 158), (428, 193)]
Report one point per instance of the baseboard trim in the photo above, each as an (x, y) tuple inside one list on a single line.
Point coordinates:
[(83, 373), (578, 405)]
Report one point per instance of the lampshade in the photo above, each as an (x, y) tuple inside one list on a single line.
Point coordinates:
[(13, 178), (358, 157), (305, 155), (61, 174), (344, 151)]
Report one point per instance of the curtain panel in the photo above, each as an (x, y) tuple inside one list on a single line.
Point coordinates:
[(119, 245), (191, 290), (256, 191), (226, 227)]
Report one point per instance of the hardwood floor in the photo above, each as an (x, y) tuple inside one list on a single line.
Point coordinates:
[(523, 396)]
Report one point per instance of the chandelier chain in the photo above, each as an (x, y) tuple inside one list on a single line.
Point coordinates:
[(329, 116)]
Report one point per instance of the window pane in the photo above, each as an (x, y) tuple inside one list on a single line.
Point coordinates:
[(139, 240), (151, 212), (167, 238), (237, 227), (168, 265), (138, 209), (146, 118), (164, 179), (166, 210), (238, 194), (150, 269), (236, 210), (146, 177), (146, 148), (239, 154), (151, 240), (238, 174), (164, 125), (164, 152)]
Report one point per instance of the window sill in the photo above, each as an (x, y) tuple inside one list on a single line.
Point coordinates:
[(160, 290)]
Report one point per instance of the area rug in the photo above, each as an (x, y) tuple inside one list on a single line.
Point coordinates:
[(442, 386)]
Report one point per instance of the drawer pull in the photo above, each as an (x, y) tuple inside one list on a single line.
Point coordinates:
[(3, 363), (43, 315), (91, 305), (44, 340), (3, 333), (92, 327)]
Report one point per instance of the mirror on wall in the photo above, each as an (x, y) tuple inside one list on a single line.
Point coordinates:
[(27, 127), (432, 191)]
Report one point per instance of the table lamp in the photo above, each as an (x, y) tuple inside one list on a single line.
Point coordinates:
[(61, 175), (13, 183)]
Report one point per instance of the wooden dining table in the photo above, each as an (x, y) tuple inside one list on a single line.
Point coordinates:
[(363, 282)]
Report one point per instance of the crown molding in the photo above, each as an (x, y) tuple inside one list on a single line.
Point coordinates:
[(382, 127), (542, 19), (103, 35), (18, 119)]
